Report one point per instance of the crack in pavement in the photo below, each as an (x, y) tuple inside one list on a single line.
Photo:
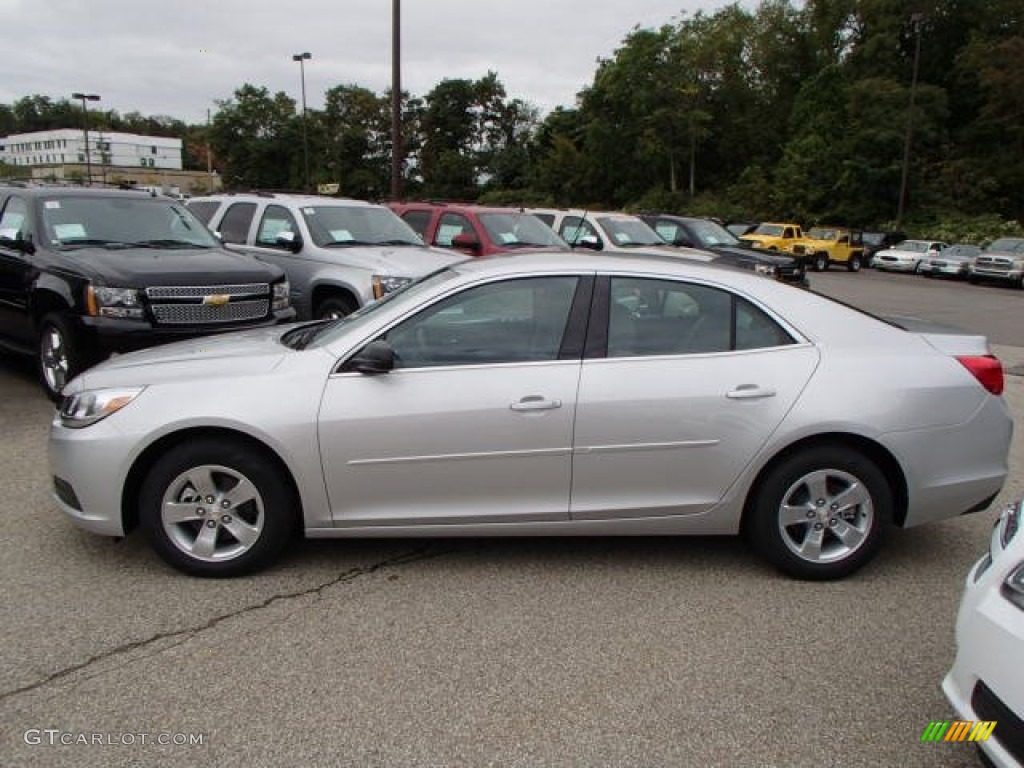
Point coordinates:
[(183, 635)]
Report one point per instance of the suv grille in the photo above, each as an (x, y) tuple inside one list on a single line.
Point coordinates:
[(200, 291), (999, 263), (192, 304)]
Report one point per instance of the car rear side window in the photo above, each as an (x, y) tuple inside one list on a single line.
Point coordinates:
[(661, 317), (451, 226), (234, 227)]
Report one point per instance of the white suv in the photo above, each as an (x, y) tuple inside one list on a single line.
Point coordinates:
[(339, 254), (612, 233)]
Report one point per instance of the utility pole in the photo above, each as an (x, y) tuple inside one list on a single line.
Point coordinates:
[(85, 130), (209, 158), (302, 58), (916, 20), (396, 99)]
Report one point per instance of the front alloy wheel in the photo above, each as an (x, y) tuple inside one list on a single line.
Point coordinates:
[(216, 508), (58, 356)]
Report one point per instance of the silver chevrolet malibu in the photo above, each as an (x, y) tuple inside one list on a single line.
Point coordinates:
[(542, 395)]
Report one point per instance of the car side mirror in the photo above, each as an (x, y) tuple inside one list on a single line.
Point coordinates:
[(466, 241), (375, 358), (19, 242), (289, 241)]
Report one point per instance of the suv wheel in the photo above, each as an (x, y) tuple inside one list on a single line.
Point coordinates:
[(820, 262), (333, 308), (853, 264), (59, 356)]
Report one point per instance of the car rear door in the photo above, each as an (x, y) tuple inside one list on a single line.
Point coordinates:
[(686, 386)]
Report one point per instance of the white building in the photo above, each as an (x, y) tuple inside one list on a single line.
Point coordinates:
[(106, 149)]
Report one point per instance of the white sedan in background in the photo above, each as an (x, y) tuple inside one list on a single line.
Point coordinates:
[(986, 682), (907, 256)]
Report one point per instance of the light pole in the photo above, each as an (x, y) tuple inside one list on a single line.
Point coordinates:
[(916, 20), (302, 58), (396, 99), (85, 129)]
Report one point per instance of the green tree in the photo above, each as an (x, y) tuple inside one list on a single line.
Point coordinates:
[(258, 138)]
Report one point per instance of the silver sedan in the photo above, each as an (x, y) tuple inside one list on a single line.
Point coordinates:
[(544, 395)]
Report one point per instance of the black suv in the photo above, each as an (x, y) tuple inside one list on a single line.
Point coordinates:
[(85, 272), (708, 235)]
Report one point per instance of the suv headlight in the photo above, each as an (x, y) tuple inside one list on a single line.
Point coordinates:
[(104, 301), (281, 296), (387, 283), (84, 408)]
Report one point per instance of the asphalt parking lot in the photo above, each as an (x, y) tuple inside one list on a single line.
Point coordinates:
[(472, 652)]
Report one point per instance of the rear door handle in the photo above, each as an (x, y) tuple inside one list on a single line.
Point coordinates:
[(750, 392), (536, 403)]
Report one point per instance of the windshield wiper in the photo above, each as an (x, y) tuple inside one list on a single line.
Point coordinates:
[(347, 243), (86, 242), (165, 243), (397, 242), (299, 338)]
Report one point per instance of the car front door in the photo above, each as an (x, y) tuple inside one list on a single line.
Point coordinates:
[(693, 382), (16, 270), (474, 424), (273, 242)]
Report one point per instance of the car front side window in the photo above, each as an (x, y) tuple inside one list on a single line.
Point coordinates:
[(276, 221), (511, 321)]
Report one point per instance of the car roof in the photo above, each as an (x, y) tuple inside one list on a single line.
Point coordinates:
[(283, 197), (49, 190)]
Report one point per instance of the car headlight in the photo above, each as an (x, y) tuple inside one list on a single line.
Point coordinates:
[(281, 297), (84, 408), (387, 283), (768, 270), (1013, 586), (104, 301)]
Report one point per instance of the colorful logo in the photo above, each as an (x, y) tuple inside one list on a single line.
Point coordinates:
[(958, 730)]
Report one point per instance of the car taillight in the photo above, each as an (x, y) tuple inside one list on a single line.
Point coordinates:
[(987, 370)]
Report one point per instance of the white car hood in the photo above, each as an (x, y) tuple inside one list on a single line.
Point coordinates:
[(397, 260)]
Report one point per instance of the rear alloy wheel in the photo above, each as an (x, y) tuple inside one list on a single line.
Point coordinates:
[(820, 262), (334, 308), (216, 508), (59, 356), (821, 513), (853, 265)]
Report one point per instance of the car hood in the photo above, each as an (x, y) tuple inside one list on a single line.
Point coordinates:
[(397, 260), (238, 354), (145, 267)]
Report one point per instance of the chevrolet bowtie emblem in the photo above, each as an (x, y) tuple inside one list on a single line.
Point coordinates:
[(216, 300)]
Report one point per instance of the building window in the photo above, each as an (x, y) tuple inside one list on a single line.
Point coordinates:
[(152, 150)]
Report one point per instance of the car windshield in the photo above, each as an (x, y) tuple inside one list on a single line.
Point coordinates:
[(628, 232), (512, 229), (710, 234), (340, 226), (319, 333), (1007, 244), (961, 252), (916, 246), (773, 230), (71, 222), (821, 233)]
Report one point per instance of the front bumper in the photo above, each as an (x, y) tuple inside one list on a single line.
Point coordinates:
[(894, 265), (986, 681), (943, 270), (106, 335)]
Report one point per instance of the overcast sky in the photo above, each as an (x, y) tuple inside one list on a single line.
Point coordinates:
[(178, 57)]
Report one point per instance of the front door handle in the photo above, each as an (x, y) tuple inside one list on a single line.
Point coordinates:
[(750, 392), (536, 403)]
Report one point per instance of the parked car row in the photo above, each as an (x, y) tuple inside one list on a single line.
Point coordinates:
[(1001, 261)]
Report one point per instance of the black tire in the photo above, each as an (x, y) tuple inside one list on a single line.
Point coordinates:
[(846, 537), (262, 512), (972, 280), (820, 262), (334, 307), (60, 355), (854, 263)]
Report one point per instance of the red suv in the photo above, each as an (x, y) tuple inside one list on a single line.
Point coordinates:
[(478, 230)]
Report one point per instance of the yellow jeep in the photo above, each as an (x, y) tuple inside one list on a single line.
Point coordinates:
[(823, 246)]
